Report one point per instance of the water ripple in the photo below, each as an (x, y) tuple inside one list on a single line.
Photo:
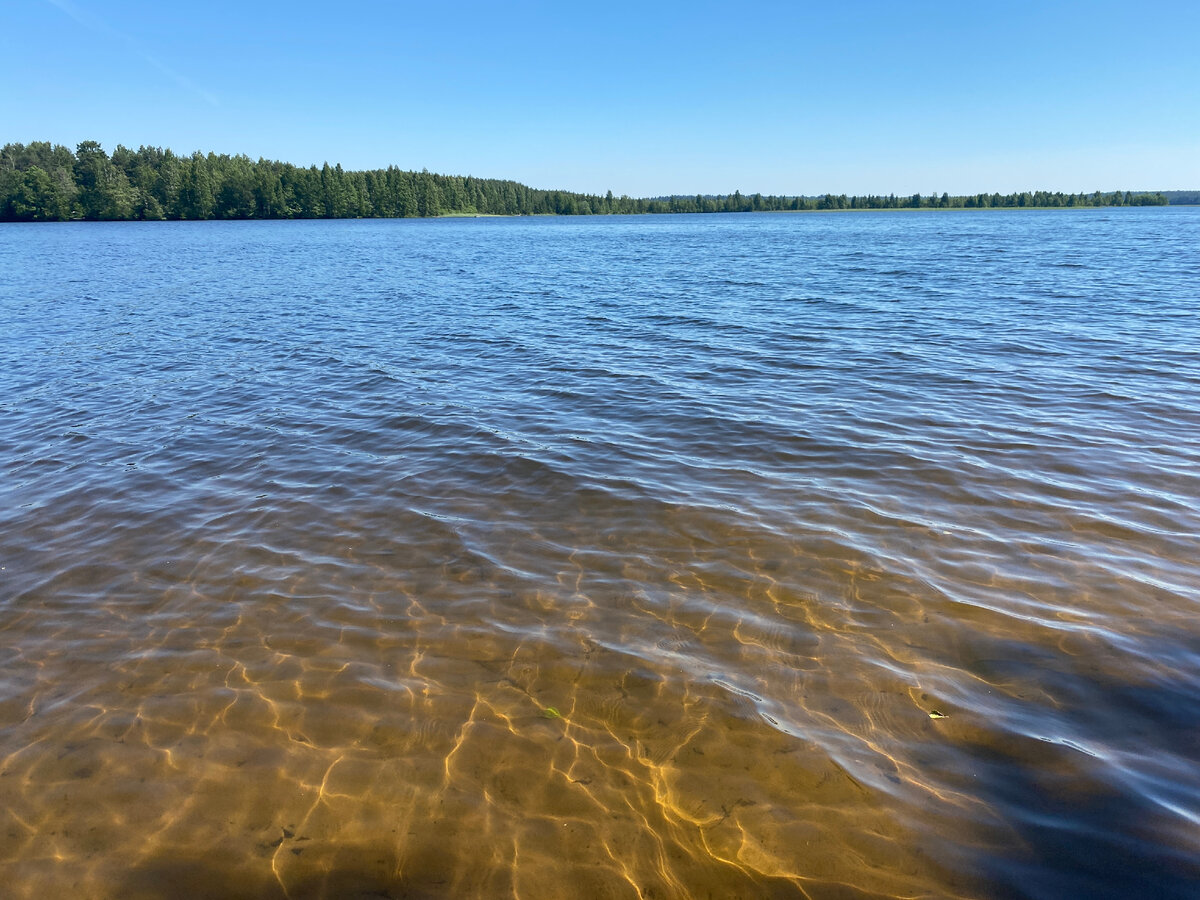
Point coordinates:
[(813, 556)]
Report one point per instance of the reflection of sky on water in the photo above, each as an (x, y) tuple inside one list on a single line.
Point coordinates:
[(295, 566)]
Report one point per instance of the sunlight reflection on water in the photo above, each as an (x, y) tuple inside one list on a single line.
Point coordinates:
[(854, 557)]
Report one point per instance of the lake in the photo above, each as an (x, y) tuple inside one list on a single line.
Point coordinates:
[(846, 555)]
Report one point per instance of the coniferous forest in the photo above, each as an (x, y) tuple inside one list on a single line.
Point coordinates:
[(41, 182)]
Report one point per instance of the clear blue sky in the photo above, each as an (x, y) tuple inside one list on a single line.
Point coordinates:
[(641, 98)]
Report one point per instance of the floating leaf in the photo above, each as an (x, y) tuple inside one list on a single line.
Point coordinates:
[(551, 713)]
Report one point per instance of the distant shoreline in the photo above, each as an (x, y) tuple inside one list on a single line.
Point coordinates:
[(41, 182), (551, 215)]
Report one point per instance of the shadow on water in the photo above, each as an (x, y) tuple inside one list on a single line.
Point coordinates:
[(374, 878), (1085, 825), (214, 879)]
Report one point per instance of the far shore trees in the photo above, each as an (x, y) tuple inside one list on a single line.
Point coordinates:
[(41, 182)]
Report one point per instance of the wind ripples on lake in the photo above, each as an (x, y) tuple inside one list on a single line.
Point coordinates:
[(829, 555)]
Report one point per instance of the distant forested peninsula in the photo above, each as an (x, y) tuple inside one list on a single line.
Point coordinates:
[(41, 182)]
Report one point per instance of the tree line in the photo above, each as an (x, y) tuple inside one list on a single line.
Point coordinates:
[(41, 182)]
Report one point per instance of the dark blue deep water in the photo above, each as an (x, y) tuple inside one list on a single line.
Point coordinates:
[(818, 555)]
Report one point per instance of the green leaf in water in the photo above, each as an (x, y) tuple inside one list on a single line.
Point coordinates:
[(934, 714), (551, 713)]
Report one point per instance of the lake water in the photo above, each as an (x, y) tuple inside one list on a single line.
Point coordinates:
[(823, 555)]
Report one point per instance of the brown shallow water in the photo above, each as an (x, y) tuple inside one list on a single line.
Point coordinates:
[(760, 556)]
